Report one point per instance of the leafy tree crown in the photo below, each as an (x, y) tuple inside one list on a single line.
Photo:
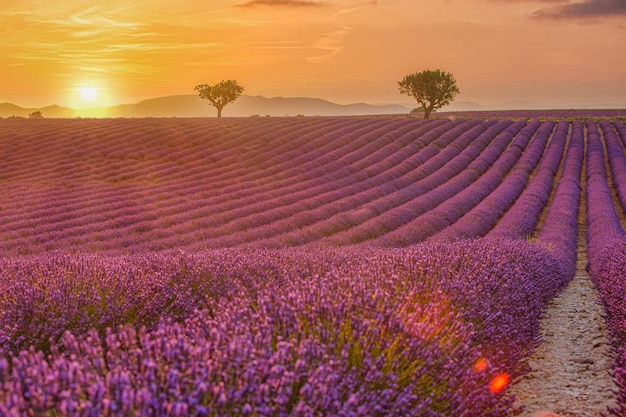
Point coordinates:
[(431, 89), (220, 94)]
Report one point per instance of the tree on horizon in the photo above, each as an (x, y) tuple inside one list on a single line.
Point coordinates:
[(220, 94), (431, 89), (35, 115)]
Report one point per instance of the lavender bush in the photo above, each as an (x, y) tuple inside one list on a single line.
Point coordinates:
[(364, 332)]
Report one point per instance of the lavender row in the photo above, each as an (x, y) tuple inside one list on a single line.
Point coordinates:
[(547, 113), (143, 196), (357, 203), (437, 330), (617, 160), (496, 162), (521, 220), (559, 232), (483, 217), (413, 199), (369, 167), (607, 251), (318, 155), (603, 222), (170, 214), (608, 269), (144, 224)]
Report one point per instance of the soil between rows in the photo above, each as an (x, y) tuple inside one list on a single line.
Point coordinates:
[(569, 374)]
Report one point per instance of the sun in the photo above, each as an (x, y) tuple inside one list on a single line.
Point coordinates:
[(89, 94), (90, 98)]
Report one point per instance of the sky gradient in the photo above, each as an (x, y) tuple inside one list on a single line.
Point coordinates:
[(551, 52)]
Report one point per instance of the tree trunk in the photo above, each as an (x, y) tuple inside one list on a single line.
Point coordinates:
[(219, 111), (427, 112)]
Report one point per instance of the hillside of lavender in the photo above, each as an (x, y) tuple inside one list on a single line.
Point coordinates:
[(303, 266)]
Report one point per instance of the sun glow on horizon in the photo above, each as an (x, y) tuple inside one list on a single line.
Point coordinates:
[(310, 48), (89, 94), (90, 98)]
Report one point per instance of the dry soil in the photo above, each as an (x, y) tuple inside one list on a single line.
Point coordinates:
[(570, 369)]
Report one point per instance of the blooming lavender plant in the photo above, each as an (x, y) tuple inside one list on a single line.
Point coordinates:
[(607, 247), (435, 329), (303, 332)]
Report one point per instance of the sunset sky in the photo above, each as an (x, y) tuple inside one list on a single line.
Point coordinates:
[(84, 53)]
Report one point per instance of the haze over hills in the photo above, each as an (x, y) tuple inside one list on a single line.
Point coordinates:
[(193, 106)]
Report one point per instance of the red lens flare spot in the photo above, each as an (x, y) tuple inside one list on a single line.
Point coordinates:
[(499, 383), (481, 365)]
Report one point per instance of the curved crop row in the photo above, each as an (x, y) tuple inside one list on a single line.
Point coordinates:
[(607, 248), (603, 223), (617, 160), (403, 170), (483, 217), (145, 212), (521, 220), (369, 167), (395, 184), (559, 232), (365, 199), (413, 199), (462, 195)]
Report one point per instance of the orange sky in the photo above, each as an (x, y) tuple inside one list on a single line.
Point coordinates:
[(554, 52)]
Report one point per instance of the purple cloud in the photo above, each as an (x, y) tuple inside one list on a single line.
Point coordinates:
[(587, 9)]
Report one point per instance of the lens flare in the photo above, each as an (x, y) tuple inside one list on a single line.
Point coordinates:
[(499, 382), (481, 365)]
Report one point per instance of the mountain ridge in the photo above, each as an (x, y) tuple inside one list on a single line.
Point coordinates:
[(193, 106), (190, 105)]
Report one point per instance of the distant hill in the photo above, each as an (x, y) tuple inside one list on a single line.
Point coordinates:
[(190, 105), (193, 106), (11, 110)]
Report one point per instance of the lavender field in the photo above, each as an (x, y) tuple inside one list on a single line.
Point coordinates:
[(308, 266)]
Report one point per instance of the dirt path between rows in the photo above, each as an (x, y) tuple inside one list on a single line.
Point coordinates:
[(570, 369)]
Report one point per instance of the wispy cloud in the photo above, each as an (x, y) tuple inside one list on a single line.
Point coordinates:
[(282, 3), (96, 39), (85, 22), (330, 44)]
